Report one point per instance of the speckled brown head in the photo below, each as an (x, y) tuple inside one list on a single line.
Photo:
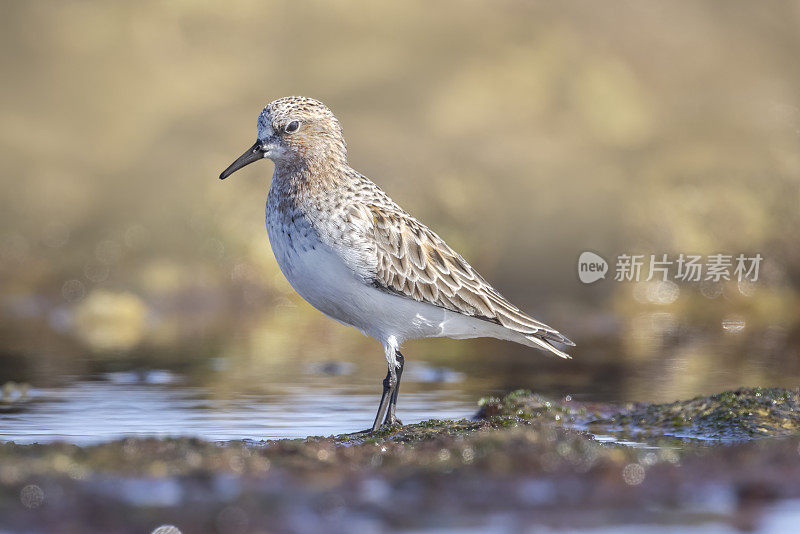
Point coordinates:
[(294, 131)]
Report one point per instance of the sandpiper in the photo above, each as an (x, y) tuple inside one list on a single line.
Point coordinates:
[(359, 258)]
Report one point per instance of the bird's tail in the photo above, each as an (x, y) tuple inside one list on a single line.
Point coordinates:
[(546, 345)]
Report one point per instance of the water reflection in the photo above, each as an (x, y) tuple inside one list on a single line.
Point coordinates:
[(258, 385), (158, 403)]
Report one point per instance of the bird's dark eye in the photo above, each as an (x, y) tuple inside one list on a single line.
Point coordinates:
[(292, 127)]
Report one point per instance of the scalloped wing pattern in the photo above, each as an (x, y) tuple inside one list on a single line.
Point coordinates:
[(416, 263)]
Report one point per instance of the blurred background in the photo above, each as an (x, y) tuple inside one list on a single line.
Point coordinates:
[(522, 132)]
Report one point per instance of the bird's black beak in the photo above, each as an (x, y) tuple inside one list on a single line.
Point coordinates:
[(254, 153)]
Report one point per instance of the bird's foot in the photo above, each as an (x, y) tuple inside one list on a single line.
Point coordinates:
[(392, 420), (387, 424), (359, 433)]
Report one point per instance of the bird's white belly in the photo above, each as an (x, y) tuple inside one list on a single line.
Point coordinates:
[(319, 275)]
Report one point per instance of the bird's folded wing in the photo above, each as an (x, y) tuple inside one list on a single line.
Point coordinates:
[(416, 263)]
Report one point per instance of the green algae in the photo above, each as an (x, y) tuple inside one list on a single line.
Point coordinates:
[(732, 415), (426, 430), (525, 405)]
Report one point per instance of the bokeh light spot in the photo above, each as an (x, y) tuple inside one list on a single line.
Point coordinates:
[(31, 496), (73, 290), (633, 474)]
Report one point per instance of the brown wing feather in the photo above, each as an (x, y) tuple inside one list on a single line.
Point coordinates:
[(416, 263)]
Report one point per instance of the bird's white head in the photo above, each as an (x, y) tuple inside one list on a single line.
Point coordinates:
[(294, 131)]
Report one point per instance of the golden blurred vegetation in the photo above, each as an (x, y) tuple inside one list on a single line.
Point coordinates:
[(522, 132)]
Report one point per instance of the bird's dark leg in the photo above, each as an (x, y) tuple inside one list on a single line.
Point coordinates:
[(391, 418), (389, 384)]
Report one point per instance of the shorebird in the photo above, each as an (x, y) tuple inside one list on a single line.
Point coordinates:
[(359, 258)]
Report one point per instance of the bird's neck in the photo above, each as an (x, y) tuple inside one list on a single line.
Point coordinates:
[(296, 177)]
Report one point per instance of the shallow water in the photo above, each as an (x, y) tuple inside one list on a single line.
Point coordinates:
[(266, 381), (241, 397), (158, 403)]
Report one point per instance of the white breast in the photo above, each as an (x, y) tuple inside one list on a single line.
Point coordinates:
[(322, 278)]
